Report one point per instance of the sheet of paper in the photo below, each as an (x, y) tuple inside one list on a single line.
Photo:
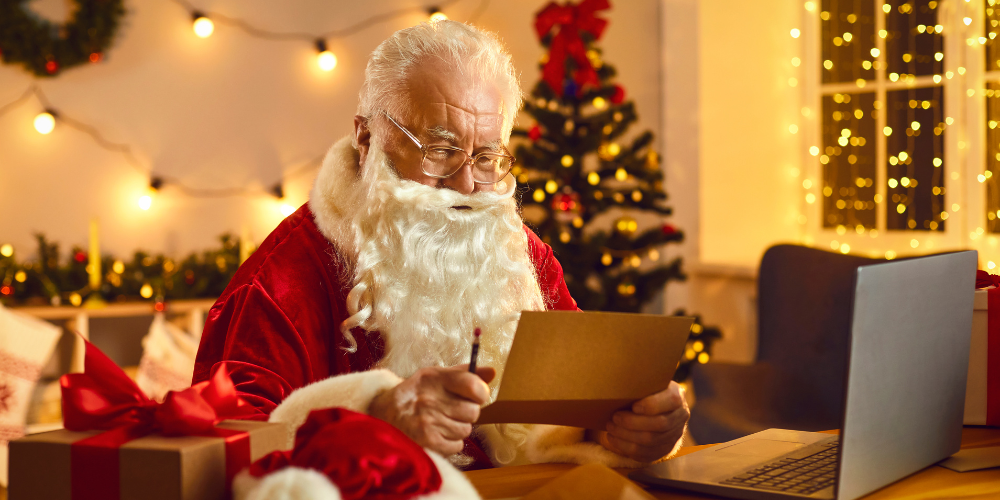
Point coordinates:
[(973, 459), (577, 369)]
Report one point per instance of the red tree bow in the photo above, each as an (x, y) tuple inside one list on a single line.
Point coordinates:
[(104, 398), (571, 20)]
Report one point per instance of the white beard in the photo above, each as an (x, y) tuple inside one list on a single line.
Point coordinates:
[(425, 274)]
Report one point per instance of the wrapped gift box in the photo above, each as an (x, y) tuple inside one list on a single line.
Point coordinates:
[(983, 387), (153, 467), (120, 444)]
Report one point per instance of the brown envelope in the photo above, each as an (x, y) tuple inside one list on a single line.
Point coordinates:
[(578, 368)]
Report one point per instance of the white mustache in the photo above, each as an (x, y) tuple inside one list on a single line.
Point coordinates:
[(431, 198)]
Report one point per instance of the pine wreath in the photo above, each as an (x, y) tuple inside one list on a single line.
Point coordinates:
[(46, 48)]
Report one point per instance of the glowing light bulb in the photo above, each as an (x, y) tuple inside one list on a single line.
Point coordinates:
[(795, 32), (436, 15), (286, 209), (326, 60), (45, 122), (146, 291), (145, 201), (203, 26), (6, 250)]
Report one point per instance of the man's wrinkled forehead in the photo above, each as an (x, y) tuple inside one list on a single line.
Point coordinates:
[(453, 102)]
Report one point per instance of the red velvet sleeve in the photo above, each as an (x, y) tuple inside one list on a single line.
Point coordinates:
[(550, 275), (266, 356)]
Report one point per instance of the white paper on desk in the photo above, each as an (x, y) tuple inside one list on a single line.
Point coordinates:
[(973, 459)]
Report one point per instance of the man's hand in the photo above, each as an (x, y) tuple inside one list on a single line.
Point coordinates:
[(436, 406), (651, 430)]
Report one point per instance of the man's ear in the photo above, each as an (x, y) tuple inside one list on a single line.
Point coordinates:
[(362, 136)]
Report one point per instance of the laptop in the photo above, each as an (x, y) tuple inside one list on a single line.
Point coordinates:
[(905, 396)]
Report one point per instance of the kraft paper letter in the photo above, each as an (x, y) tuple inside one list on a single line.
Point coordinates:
[(578, 368)]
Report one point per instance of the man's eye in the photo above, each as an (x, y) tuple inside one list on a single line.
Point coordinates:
[(441, 154)]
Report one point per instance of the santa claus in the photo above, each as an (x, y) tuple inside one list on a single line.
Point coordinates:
[(366, 298)]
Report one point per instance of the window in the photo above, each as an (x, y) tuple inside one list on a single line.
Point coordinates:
[(881, 96), (906, 94)]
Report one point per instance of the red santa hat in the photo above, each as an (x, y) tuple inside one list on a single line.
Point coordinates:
[(341, 454)]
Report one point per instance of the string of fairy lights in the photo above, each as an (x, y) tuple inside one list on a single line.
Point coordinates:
[(879, 141), (203, 24)]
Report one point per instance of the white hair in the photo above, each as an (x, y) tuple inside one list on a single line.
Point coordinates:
[(467, 48)]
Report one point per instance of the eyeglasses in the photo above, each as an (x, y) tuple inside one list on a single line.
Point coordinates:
[(442, 162)]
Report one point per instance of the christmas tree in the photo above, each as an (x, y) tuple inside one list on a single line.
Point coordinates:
[(589, 187)]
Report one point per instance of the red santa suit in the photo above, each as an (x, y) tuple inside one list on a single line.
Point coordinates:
[(277, 328)]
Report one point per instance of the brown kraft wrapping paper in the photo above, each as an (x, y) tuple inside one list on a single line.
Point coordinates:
[(151, 467)]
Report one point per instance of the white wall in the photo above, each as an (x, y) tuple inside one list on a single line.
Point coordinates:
[(730, 156), (230, 111), (748, 198)]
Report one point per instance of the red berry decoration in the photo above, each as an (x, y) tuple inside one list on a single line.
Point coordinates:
[(619, 96), (668, 229), (51, 67), (80, 257), (535, 132), (95, 57)]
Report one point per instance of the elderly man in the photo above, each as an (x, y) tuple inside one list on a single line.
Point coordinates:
[(367, 296)]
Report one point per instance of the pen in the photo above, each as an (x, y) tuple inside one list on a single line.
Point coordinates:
[(475, 351)]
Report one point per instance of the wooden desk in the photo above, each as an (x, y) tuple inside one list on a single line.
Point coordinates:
[(931, 483)]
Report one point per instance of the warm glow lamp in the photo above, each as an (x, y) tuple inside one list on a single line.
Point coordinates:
[(435, 15), (203, 26), (146, 200), (45, 122), (326, 60)]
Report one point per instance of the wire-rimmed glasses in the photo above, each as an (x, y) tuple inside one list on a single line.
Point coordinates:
[(442, 161)]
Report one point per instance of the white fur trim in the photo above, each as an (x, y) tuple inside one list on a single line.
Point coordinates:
[(290, 483), (294, 483), (534, 444), (341, 162), (354, 391), (553, 443)]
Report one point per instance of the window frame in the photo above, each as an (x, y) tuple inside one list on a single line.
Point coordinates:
[(969, 127)]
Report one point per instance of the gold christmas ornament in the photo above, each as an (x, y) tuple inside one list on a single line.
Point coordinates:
[(652, 160), (626, 289), (626, 225)]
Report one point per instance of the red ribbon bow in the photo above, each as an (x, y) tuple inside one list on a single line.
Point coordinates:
[(571, 21), (985, 279), (104, 398)]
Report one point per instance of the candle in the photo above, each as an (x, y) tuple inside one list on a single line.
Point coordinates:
[(94, 265)]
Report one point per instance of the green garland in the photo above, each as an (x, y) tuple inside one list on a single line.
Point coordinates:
[(45, 48), (52, 279)]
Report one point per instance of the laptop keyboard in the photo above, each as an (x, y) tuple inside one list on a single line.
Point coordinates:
[(802, 476)]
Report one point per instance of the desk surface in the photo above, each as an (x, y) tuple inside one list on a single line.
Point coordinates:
[(931, 483)]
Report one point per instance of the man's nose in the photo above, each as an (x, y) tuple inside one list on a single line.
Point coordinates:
[(462, 181)]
